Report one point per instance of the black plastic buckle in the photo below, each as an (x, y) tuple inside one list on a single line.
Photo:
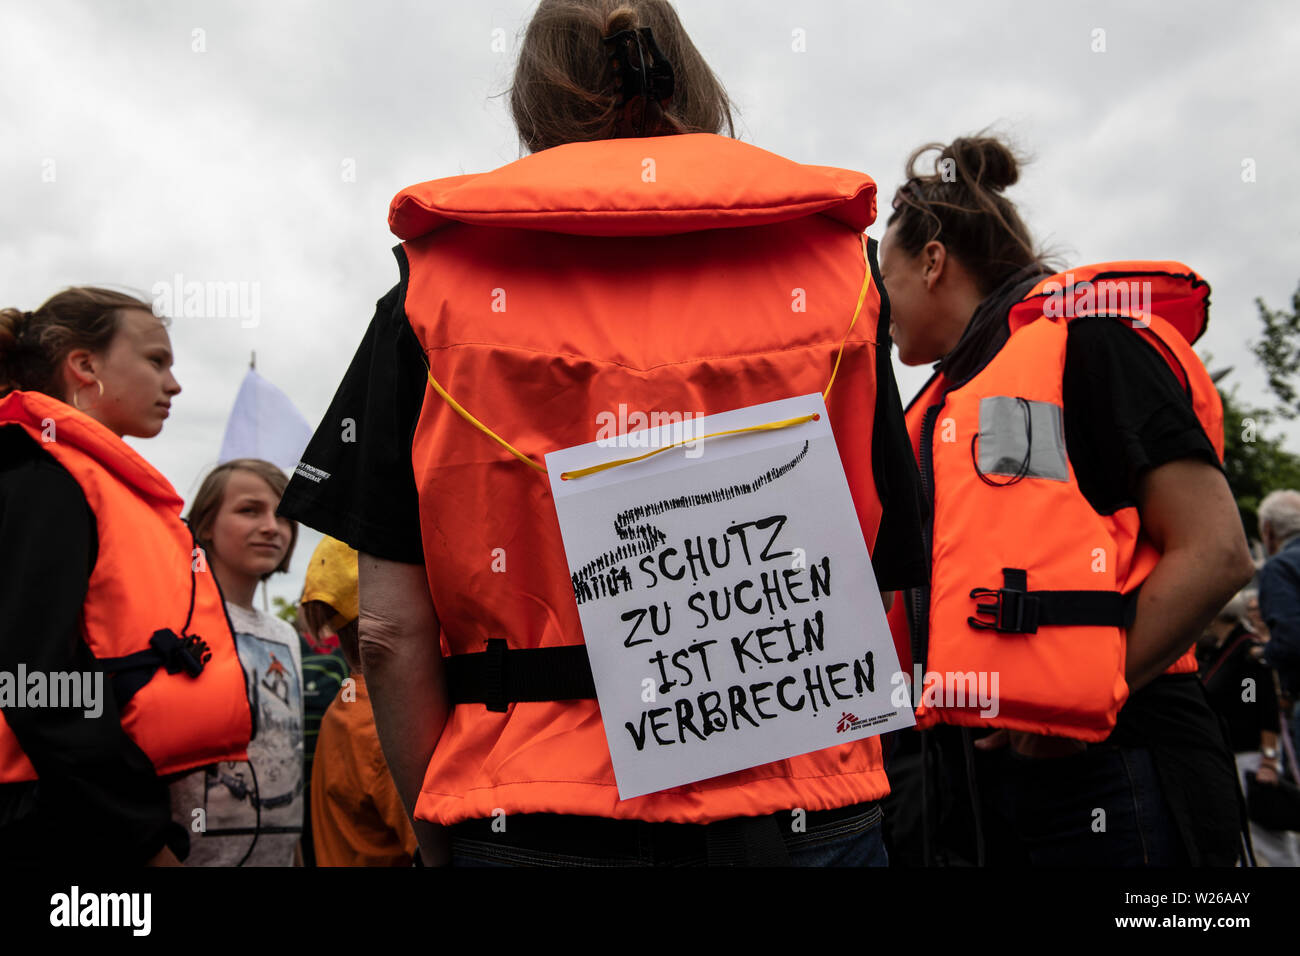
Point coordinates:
[(1013, 612), (188, 654)]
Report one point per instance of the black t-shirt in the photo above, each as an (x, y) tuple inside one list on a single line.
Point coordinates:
[(363, 491), (1125, 412), (98, 797)]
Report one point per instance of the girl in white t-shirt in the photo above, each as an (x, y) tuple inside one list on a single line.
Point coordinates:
[(250, 814)]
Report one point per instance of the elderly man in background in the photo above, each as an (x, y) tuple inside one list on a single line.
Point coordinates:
[(1279, 594)]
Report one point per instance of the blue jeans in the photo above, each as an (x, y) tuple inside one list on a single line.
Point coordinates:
[(860, 847), (853, 840), (1101, 807)]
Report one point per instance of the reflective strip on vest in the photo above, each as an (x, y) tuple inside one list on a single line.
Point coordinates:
[(1065, 681)]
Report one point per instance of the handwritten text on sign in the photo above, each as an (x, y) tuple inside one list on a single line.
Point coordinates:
[(727, 600)]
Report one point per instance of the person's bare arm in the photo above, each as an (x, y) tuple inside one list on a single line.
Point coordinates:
[(403, 665), (1188, 511)]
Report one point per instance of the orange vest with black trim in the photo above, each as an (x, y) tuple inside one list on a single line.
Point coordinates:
[(980, 628), (677, 274), (147, 577)]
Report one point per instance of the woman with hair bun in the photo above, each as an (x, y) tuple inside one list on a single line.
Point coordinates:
[(1082, 534), (643, 261), (120, 661)]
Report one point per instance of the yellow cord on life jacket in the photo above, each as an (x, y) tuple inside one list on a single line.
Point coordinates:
[(770, 426)]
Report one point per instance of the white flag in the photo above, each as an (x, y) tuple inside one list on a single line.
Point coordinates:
[(265, 424)]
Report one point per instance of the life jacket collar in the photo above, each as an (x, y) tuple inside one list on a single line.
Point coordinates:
[(650, 186), (76, 428), (1141, 288)]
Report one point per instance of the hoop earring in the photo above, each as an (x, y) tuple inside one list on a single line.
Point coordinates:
[(77, 405)]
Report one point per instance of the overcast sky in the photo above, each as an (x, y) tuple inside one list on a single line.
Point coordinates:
[(213, 140)]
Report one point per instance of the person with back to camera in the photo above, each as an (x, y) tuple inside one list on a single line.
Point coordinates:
[(100, 574), (644, 260), (1070, 442)]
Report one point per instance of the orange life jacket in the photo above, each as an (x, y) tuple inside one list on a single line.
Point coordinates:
[(144, 581), (1052, 677), (677, 274)]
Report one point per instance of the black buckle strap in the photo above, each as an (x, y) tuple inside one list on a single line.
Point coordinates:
[(1014, 609), (188, 654), (494, 675), (174, 654), (1015, 612), (500, 676)]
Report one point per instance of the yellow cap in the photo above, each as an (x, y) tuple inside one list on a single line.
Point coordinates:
[(332, 578)]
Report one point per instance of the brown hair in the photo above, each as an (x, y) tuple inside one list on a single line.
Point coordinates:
[(33, 345), (961, 205), (564, 90), (206, 504)]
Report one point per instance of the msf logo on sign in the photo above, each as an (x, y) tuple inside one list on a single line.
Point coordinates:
[(848, 722)]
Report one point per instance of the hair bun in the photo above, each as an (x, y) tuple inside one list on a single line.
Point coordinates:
[(12, 323), (11, 329), (983, 160), (620, 19)]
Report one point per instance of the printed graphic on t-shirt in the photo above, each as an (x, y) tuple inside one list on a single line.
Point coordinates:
[(273, 784)]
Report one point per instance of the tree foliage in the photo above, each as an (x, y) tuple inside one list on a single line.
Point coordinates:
[(1254, 464), (1279, 352), (285, 610)]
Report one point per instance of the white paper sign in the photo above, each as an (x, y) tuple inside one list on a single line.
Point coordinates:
[(726, 596)]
